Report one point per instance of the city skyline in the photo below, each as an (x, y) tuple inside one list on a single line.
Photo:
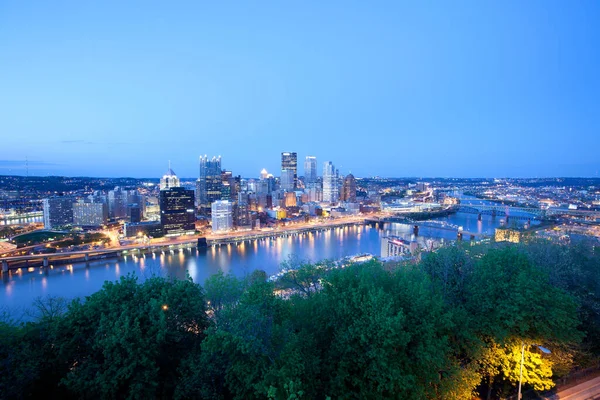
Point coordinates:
[(476, 89)]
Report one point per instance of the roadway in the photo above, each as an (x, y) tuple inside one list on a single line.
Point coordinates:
[(182, 240), (588, 390)]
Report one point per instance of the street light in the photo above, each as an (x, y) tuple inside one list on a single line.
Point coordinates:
[(543, 349)]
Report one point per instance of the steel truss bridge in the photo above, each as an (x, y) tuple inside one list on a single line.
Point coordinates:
[(525, 212)]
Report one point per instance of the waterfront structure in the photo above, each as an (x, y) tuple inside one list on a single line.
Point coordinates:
[(330, 183), (289, 163), (58, 211), (348, 192), (169, 180), (149, 228), (310, 172), (177, 213), (210, 182), (89, 214), (222, 216)]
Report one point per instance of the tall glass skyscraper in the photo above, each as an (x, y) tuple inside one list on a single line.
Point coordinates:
[(210, 182), (330, 183), (310, 171), (289, 164)]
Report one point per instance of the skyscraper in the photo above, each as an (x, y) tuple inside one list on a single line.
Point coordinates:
[(177, 213), (349, 189), (289, 163), (310, 172), (210, 182), (169, 180), (330, 183)]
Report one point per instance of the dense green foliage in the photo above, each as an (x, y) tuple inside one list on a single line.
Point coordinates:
[(450, 327)]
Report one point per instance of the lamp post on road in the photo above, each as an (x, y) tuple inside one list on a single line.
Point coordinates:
[(543, 349)]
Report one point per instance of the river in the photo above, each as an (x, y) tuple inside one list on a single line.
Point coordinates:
[(79, 280)]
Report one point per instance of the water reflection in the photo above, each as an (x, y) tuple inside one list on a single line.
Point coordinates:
[(84, 279)]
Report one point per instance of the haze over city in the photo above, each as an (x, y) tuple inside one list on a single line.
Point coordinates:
[(461, 89)]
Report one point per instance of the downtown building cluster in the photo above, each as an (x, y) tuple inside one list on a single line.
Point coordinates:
[(218, 199), (231, 202)]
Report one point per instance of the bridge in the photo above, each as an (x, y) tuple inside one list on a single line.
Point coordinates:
[(535, 212), (442, 225)]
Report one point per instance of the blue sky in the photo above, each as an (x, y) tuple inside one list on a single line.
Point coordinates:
[(423, 88)]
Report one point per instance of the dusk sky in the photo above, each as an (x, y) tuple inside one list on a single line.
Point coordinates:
[(396, 89)]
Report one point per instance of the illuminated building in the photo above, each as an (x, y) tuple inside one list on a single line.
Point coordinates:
[(89, 214), (58, 211), (287, 180), (150, 229), (210, 182), (349, 189), (177, 213), (310, 172), (330, 183), (222, 216), (241, 213), (117, 203), (169, 180), (289, 163), (290, 199)]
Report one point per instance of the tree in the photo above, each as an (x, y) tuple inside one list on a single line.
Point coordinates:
[(128, 339)]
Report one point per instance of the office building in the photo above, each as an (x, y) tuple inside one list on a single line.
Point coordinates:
[(286, 182), (117, 203), (330, 183), (348, 192), (177, 213), (151, 229), (222, 216), (169, 180), (88, 214), (241, 215), (289, 162), (58, 212), (310, 172), (210, 182)]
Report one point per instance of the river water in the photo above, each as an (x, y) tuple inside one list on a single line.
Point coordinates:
[(78, 280)]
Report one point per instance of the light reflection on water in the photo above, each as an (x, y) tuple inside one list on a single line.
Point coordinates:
[(21, 288)]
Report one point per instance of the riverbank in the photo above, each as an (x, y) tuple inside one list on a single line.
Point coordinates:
[(46, 260)]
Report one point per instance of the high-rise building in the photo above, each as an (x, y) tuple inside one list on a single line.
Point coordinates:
[(169, 180), (287, 180), (222, 216), (58, 211), (210, 182), (289, 162), (117, 203), (348, 193), (310, 172), (89, 214), (330, 183), (241, 214), (177, 213)]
